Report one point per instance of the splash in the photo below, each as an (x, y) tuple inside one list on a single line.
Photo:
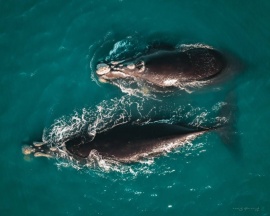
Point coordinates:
[(118, 111), (144, 108)]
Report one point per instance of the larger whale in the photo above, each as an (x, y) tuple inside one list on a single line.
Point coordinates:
[(165, 68), (125, 143)]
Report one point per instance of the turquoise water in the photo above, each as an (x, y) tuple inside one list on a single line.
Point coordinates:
[(46, 50)]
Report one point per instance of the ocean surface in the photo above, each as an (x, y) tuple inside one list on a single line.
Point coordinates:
[(48, 91)]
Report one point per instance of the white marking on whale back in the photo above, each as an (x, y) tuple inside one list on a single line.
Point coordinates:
[(166, 146), (185, 47), (170, 82)]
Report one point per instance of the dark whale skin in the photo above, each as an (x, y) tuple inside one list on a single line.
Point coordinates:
[(167, 68), (129, 143), (192, 65)]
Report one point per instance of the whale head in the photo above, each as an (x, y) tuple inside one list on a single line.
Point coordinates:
[(116, 70), (40, 149)]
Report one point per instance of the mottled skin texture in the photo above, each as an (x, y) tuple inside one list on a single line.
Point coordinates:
[(168, 68)]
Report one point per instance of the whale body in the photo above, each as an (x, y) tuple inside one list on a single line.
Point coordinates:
[(166, 68), (125, 143)]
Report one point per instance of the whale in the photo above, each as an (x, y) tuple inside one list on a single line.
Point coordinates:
[(126, 143), (165, 68)]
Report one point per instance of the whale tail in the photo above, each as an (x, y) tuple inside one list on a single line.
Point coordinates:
[(227, 131), (226, 126)]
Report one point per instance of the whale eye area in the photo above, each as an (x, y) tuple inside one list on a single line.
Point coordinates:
[(140, 66)]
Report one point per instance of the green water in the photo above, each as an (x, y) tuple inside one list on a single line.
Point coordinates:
[(45, 51)]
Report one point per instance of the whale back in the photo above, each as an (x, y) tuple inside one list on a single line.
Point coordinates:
[(167, 68), (130, 142)]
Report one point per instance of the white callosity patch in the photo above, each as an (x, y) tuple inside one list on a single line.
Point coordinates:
[(131, 66), (119, 74), (103, 68)]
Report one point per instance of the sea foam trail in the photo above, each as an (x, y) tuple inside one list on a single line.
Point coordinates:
[(118, 111)]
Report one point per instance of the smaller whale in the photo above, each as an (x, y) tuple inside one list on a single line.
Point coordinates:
[(127, 143), (165, 68)]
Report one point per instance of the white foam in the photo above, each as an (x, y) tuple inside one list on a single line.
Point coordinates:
[(185, 47), (117, 111)]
